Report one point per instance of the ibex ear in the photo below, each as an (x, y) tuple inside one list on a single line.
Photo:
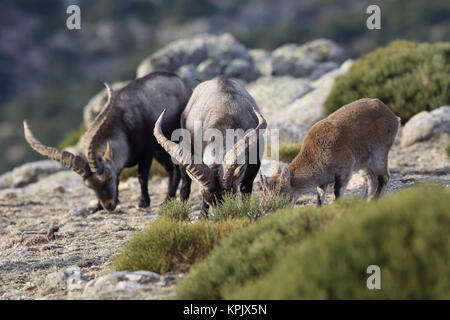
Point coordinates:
[(108, 152)]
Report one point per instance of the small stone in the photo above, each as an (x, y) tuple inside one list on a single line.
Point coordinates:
[(78, 212)]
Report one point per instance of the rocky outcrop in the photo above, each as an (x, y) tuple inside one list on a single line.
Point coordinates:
[(311, 60), (202, 57), (425, 125)]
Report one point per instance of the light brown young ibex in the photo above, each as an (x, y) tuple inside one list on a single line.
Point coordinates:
[(357, 136)]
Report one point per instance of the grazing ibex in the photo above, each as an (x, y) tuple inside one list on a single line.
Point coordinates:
[(356, 136), (219, 105), (122, 136)]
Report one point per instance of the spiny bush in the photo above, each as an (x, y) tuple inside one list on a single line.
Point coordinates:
[(173, 209), (409, 77), (252, 251), (168, 245), (405, 234), (288, 151)]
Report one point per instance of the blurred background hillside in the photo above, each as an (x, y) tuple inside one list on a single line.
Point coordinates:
[(48, 73)]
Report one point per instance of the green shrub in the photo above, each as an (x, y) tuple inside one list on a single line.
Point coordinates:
[(173, 209), (72, 138), (168, 245), (252, 251), (288, 151), (448, 150), (409, 77), (405, 234)]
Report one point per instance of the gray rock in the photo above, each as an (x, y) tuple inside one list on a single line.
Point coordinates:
[(126, 281), (273, 94), (212, 54), (29, 173), (94, 105), (70, 279), (425, 125), (311, 60), (241, 69)]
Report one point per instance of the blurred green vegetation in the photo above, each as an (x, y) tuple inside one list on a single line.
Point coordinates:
[(323, 253), (406, 235), (409, 77)]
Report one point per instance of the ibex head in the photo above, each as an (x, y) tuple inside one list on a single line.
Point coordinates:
[(98, 172), (279, 183), (213, 185)]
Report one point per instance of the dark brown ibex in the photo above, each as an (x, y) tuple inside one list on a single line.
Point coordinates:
[(358, 136), (122, 136), (219, 104)]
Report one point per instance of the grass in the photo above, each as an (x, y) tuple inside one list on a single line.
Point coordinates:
[(233, 206), (177, 210), (168, 245), (72, 138)]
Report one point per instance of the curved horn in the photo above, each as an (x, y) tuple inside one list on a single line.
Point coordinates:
[(94, 132), (231, 168), (67, 159), (199, 172)]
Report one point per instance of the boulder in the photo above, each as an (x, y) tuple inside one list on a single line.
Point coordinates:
[(29, 173), (96, 103), (425, 125), (306, 110), (273, 94), (210, 54)]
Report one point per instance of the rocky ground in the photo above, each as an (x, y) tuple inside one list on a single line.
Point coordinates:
[(51, 247)]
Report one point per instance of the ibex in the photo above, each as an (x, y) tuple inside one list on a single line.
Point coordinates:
[(222, 105), (357, 136), (122, 136)]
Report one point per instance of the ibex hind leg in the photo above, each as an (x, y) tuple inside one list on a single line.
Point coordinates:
[(143, 175), (174, 173), (371, 184)]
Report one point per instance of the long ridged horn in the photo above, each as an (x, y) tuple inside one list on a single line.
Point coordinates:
[(67, 159), (230, 167), (94, 132), (200, 172)]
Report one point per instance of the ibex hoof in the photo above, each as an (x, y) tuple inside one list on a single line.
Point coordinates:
[(144, 203)]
